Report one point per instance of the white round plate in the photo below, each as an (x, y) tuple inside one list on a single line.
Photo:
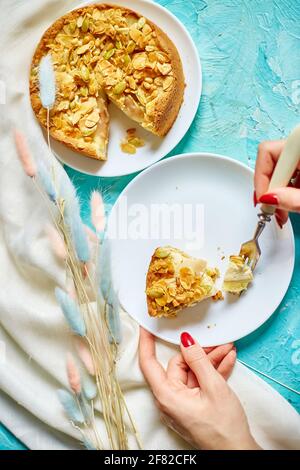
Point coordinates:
[(119, 163), (220, 190)]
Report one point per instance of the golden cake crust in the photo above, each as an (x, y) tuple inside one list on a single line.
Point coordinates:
[(166, 109)]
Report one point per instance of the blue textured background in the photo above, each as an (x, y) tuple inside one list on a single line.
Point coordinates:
[(251, 92)]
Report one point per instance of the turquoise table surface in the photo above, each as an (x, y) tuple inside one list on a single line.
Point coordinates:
[(251, 92)]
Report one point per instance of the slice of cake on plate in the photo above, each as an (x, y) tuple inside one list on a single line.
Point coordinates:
[(176, 280)]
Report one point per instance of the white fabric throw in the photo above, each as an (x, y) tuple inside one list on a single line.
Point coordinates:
[(33, 331)]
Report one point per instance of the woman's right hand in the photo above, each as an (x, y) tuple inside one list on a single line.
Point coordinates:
[(285, 199), (194, 398)]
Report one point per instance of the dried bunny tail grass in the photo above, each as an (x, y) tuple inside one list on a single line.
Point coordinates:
[(56, 241), (89, 387), (108, 292), (91, 235), (85, 408), (79, 238), (71, 312), (98, 211), (71, 407), (114, 324), (47, 88), (88, 444), (24, 155), (46, 181), (67, 192), (86, 320), (73, 375), (47, 82), (85, 355), (72, 219)]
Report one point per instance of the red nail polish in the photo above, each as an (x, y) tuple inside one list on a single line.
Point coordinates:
[(254, 199), (270, 198), (278, 220), (187, 340)]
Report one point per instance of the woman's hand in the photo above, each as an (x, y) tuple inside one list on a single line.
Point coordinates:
[(194, 398), (286, 199)]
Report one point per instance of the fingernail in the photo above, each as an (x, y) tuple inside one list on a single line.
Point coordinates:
[(187, 340), (278, 220), (254, 199), (270, 198)]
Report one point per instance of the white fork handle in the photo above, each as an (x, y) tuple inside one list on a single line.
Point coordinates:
[(286, 166)]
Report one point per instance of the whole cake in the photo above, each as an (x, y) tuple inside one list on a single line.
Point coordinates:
[(101, 53)]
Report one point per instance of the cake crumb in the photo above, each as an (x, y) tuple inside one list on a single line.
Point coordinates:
[(131, 142), (218, 296)]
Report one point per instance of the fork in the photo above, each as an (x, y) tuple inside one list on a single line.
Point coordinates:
[(283, 172)]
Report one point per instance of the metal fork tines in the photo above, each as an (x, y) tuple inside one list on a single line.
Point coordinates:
[(250, 250)]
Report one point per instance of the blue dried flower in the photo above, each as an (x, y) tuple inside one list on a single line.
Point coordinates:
[(45, 179), (47, 82), (88, 387), (70, 406), (71, 312), (108, 293), (79, 238), (73, 219)]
